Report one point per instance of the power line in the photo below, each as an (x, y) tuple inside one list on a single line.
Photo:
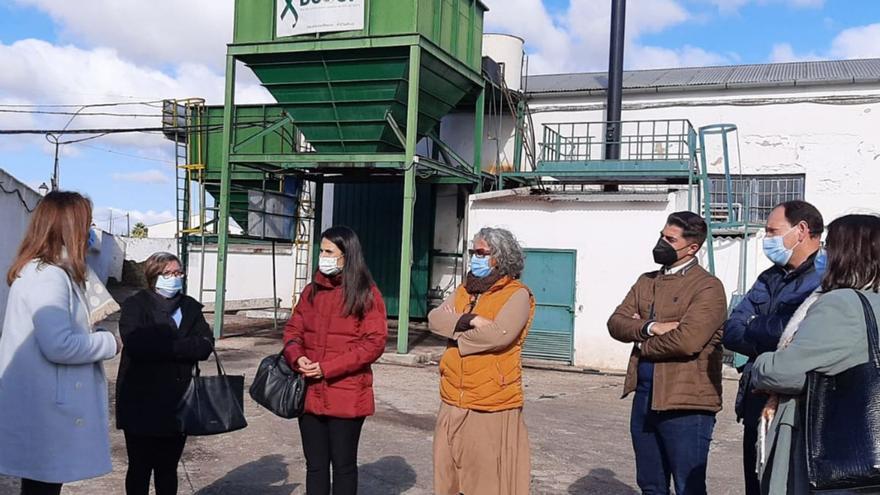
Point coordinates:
[(107, 150), (94, 114), (74, 105)]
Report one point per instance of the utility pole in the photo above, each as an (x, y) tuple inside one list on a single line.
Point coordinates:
[(55, 169), (128, 223), (111, 222)]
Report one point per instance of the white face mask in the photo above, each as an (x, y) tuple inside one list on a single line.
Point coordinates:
[(329, 265), (169, 286)]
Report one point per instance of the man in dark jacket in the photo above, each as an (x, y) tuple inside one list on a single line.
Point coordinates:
[(673, 318), (794, 230)]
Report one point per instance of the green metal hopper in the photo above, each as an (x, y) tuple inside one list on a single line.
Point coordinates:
[(340, 88)]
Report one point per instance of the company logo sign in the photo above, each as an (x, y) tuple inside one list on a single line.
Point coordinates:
[(295, 17)]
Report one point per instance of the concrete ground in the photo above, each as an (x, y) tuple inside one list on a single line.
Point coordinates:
[(577, 424)]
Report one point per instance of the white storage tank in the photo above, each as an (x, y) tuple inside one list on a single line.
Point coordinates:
[(508, 50)]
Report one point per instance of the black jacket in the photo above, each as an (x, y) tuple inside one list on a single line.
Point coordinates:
[(157, 362)]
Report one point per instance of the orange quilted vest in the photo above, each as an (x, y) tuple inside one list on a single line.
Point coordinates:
[(487, 382)]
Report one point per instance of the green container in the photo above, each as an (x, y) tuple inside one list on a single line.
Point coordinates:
[(340, 87), (206, 147), (456, 26)]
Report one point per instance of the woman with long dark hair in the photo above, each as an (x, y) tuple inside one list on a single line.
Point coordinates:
[(827, 335), (165, 335), (337, 330), (53, 392)]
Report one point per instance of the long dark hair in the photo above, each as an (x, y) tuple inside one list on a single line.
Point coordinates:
[(357, 282), (853, 245)]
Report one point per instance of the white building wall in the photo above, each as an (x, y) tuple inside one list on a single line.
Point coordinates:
[(613, 239), (248, 273), (781, 131), (17, 201)]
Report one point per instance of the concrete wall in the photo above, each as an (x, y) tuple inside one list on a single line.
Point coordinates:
[(248, 273), (17, 201), (138, 250), (107, 256)]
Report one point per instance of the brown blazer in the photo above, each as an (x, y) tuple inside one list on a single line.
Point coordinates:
[(687, 372)]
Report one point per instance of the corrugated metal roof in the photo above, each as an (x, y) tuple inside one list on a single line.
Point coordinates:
[(733, 76)]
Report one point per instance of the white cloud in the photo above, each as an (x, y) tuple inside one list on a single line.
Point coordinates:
[(151, 176), (52, 74), (577, 39), (852, 43), (857, 42), (157, 32), (733, 6), (784, 52), (101, 217)]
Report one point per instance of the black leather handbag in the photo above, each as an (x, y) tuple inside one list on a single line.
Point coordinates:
[(212, 404), (843, 422), (278, 388)]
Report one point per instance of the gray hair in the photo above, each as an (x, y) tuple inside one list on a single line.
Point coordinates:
[(508, 254)]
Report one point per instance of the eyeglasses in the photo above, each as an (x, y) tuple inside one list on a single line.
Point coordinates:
[(479, 252), (176, 274)]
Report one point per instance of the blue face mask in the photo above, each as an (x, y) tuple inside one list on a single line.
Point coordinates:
[(480, 266), (169, 286), (93, 239), (775, 250), (821, 262)]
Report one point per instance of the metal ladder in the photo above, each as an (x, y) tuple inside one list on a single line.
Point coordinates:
[(302, 242), (184, 116)]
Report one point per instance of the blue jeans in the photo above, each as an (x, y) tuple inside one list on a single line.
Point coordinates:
[(670, 444)]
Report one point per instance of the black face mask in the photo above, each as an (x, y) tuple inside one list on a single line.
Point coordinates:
[(664, 253)]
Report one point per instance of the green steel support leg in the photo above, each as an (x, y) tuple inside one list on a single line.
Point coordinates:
[(409, 198), (225, 192), (479, 117), (316, 223)]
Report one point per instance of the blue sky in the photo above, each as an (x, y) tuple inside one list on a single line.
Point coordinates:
[(93, 51)]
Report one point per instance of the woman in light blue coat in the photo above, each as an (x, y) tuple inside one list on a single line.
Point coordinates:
[(832, 338), (54, 424)]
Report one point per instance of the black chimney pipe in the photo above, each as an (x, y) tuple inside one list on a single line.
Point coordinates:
[(615, 80)]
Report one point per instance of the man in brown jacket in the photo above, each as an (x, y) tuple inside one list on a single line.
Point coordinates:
[(673, 317)]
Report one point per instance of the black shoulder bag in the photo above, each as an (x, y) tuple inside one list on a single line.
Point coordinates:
[(843, 421), (278, 388), (212, 404)]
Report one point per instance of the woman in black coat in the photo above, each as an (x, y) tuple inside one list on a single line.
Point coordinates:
[(164, 335)]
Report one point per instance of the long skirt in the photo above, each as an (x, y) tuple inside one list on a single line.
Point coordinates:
[(481, 453)]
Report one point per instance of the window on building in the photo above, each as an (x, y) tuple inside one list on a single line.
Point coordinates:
[(765, 192)]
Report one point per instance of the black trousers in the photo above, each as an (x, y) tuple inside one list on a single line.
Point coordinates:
[(327, 441), (33, 487), (156, 456)]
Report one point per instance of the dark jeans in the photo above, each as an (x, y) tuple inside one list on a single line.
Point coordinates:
[(151, 455), (753, 405), (327, 441), (32, 487), (673, 444)]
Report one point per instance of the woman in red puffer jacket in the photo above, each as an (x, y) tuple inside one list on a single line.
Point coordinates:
[(337, 330)]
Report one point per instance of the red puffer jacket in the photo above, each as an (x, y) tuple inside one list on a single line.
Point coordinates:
[(344, 346)]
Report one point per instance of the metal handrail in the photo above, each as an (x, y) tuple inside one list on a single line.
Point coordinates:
[(663, 139)]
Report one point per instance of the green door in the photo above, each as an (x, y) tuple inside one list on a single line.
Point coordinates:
[(550, 274), (375, 212)]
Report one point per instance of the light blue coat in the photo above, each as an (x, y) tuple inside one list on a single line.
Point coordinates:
[(54, 423)]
